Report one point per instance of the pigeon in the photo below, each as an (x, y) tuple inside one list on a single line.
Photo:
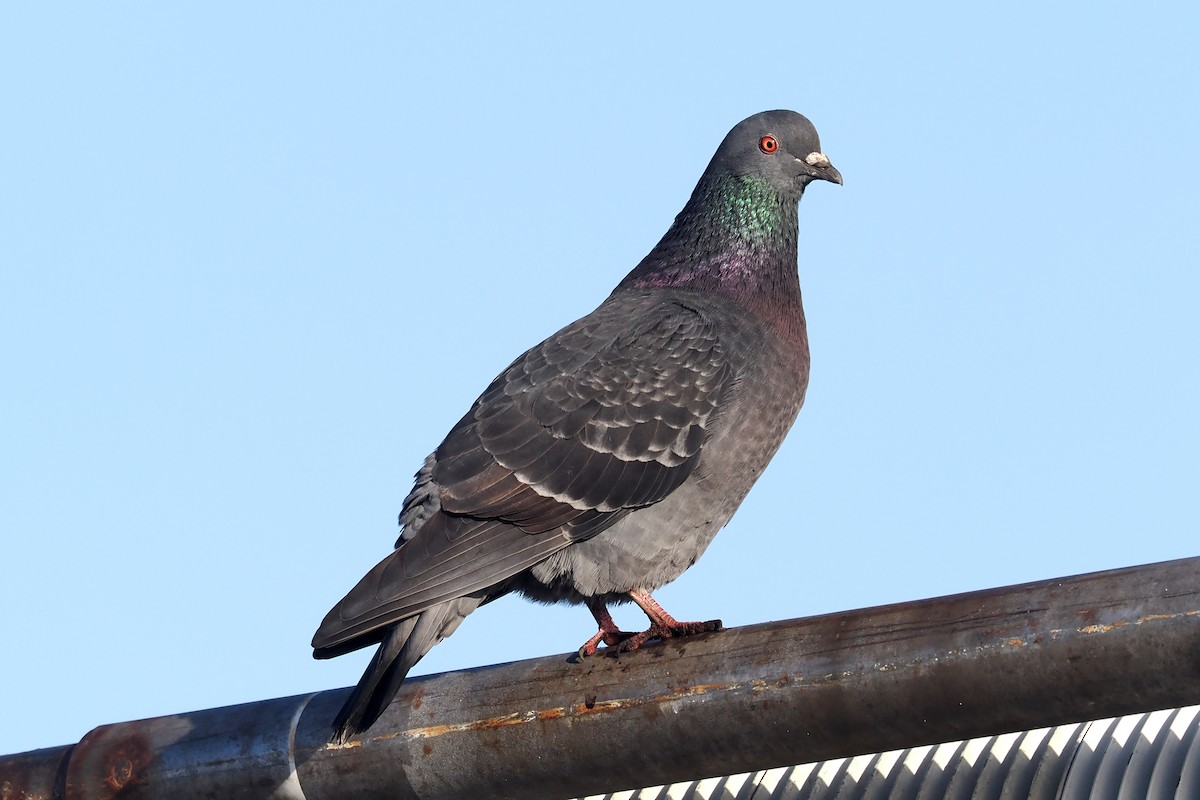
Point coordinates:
[(600, 464)]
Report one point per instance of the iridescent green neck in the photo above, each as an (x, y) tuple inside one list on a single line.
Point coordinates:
[(736, 234), (750, 209)]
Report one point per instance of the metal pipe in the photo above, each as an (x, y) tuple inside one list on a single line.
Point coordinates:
[(1008, 659)]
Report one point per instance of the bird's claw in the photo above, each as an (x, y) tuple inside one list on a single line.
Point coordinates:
[(626, 642), (672, 631), (610, 638)]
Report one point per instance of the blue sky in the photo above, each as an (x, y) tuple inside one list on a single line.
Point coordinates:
[(258, 258)]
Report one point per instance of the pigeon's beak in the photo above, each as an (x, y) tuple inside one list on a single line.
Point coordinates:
[(820, 168)]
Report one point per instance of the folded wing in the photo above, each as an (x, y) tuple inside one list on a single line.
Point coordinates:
[(608, 415)]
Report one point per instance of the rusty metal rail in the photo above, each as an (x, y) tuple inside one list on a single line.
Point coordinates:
[(1007, 659)]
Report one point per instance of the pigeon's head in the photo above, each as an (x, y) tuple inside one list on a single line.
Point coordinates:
[(781, 147)]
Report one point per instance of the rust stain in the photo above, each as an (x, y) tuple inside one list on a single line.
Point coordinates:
[(595, 706), (110, 766), (475, 725), (1089, 629), (126, 765), (1160, 617), (120, 772), (350, 744), (703, 688), (590, 705)]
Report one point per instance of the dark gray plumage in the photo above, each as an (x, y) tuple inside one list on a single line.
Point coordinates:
[(600, 464)]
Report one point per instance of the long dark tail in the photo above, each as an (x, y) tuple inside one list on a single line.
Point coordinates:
[(402, 647)]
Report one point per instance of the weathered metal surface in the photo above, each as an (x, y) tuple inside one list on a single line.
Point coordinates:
[(231, 752), (750, 698), (32, 775)]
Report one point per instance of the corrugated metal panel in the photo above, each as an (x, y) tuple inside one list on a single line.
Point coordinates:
[(1154, 756)]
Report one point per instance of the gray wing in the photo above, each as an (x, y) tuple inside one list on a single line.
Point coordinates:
[(608, 415)]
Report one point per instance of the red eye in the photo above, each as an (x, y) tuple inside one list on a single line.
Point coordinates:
[(768, 144)]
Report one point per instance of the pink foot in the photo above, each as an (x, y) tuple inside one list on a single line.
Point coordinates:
[(662, 626), (609, 633), (672, 631)]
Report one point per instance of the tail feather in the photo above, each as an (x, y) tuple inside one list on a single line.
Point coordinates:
[(402, 647)]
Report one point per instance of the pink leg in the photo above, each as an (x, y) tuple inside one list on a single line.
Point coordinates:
[(662, 624), (609, 633)]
